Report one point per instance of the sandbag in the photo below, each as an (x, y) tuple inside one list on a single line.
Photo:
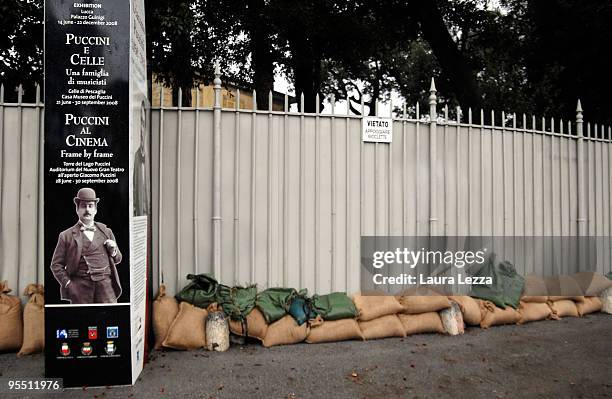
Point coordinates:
[(452, 320), (591, 304), (256, 326), (237, 302), (33, 320), (564, 287), (591, 283), (334, 306), (534, 311), (375, 306), (188, 330), (563, 308), (422, 323), (495, 316), (382, 327), (11, 325), (535, 290), (606, 300), (165, 309), (430, 301), (274, 302), (285, 332), (334, 330), (469, 308), (201, 292), (506, 287)]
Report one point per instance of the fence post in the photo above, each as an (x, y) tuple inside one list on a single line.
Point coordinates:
[(580, 160), (216, 217), (433, 118)]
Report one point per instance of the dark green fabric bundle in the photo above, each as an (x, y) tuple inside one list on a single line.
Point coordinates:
[(274, 303), (609, 275), (201, 292), (237, 302), (334, 306), (506, 287)]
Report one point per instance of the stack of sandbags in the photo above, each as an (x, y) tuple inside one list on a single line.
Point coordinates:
[(33, 321), (334, 330), (165, 309), (378, 316), (420, 309), (535, 290), (564, 292), (470, 309), (11, 326), (493, 315), (188, 329)]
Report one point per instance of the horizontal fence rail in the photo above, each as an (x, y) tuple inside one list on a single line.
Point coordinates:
[(281, 198)]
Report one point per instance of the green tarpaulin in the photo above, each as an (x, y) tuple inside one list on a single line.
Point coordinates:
[(506, 287), (200, 292), (609, 275), (274, 302), (334, 306)]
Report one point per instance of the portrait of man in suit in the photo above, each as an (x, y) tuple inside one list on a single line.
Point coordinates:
[(85, 258), (141, 174)]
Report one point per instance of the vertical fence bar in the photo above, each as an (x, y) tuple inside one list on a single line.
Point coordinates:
[(253, 177), (160, 186), (469, 173), (580, 160), (20, 130), (332, 139), (179, 196), (416, 169), (445, 216), (433, 201), (302, 201), (458, 172), (237, 188), (2, 168), (482, 177), (285, 193), (269, 237), (317, 194), (217, 174), (40, 187), (349, 253), (196, 181)]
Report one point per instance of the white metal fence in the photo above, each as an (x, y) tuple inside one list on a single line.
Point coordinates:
[(282, 198)]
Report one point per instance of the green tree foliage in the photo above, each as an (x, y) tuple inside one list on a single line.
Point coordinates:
[(21, 36)]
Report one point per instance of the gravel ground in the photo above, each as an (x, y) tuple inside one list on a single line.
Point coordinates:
[(567, 358)]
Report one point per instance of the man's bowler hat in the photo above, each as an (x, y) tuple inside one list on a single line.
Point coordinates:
[(86, 194)]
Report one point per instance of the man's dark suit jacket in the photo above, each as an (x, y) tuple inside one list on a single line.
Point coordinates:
[(67, 255)]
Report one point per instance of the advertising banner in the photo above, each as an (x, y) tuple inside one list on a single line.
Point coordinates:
[(96, 191)]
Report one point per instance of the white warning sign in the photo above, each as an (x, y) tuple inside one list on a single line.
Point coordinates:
[(377, 130)]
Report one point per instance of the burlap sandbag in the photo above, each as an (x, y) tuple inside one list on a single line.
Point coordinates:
[(535, 290), (417, 304), (383, 327), (564, 287), (375, 306), (33, 321), (606, 300), (334, 330), (188, 330), (563, 308), (533, 311), (592, 283), (285, 331), (422, 323), (255, 325), (591, 304), (469, 308), (11, 326), (494, 316), (165, 309)]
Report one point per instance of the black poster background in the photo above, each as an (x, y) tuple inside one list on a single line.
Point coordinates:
[(113, 208)]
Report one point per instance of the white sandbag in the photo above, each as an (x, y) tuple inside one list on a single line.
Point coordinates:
[(452, 319), (606, 300)]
